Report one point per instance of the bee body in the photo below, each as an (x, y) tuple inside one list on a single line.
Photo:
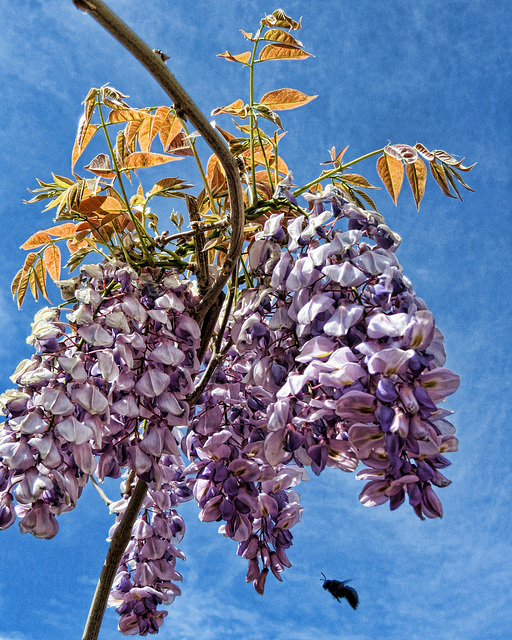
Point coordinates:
[(338, 589)]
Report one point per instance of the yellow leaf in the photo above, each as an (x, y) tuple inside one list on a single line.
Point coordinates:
[(417, 176), (439, 176), (139, 160), (51, 262), (63, 182), (283, 52), (391, 172), (37, 240), (360, 181), (284, 99), (242, 58)]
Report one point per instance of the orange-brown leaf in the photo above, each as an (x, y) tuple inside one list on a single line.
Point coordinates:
[(167, 124), (391, 172), (278, 35), (131, 130), (284, 99), (37, 240), (16, 282), (29, 261), (51, 262), (145, 133), (99, 205), (279, 19), (40, 278), (236, 108), (33, 284), (139, 160), (22, 289), (126, 115), (82, 140), (417, 176), (180, 145), (215, 175), (100, 166), (283, 52), (360, 181), (242, 58)]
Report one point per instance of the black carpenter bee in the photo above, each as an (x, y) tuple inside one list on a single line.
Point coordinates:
[(339, 590)]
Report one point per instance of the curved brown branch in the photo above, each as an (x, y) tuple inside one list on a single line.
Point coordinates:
[(120, 539), (185, 107)]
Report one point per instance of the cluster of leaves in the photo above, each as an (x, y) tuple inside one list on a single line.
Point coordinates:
[(321, 354)]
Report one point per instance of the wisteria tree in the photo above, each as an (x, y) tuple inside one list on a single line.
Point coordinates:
[(270, 331)]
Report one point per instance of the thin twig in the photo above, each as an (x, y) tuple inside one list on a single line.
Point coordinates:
[(203, 276), (220, 224), (120, 539)]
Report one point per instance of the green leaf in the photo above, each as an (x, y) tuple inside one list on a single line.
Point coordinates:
[(266, 112)]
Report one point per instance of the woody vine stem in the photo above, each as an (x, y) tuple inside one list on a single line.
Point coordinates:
[(186, 108)]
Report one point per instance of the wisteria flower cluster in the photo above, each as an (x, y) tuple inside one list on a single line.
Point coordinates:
[(223, 362), (332, 359), (106, 392)]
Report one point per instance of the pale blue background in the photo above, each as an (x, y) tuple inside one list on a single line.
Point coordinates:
[(433, 71)]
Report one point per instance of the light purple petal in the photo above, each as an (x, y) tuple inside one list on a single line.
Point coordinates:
[(389, 361), (345, 316)]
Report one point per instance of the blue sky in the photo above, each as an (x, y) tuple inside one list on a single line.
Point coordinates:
[(430, 71)]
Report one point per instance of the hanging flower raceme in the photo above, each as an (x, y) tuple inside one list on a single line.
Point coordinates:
[(334, 361), (147, 576), (105, 392)]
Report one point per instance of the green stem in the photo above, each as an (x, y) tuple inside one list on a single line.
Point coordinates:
[(269, 172), (140, 232), (333, 172), (251, 103), (201, 171)]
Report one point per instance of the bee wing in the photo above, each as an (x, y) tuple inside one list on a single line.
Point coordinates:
[(352, 597)]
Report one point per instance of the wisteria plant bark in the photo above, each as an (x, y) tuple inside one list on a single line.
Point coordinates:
[(219, 362)]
